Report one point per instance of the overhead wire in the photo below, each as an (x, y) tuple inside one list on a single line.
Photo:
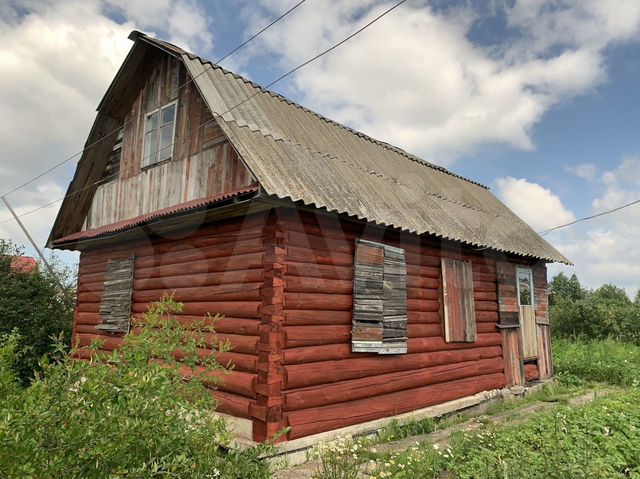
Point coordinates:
[(135, 118), (220, 115), (586, 218)]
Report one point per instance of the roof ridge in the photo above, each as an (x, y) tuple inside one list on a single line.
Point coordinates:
[(267, 134), (384, 144), (353, 131)]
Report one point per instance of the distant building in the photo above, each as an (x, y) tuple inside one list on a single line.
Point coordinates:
[(25, 264)]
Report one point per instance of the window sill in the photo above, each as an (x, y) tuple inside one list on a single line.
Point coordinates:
[(153, 165)]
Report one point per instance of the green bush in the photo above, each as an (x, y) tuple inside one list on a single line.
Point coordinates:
[(32, 304), (605, 361), (131, 413)]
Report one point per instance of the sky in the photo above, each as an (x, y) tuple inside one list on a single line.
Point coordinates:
[(536, 99)]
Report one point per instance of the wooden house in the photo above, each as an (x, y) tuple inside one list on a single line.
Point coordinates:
[(356, 280)]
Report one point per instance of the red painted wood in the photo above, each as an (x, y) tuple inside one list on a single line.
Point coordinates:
[(312, 421), (531, 372), (309, 374), (330, 352), (322, 395)]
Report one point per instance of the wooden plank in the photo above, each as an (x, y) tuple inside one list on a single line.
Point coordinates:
[(468, 302), (394, 301), (512, 354), (545, 362), (529, 332)]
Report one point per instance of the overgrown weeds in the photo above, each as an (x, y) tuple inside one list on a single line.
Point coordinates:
[(142, 411), (606, 361)]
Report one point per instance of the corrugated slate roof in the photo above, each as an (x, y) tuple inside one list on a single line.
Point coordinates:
[(297, 154)]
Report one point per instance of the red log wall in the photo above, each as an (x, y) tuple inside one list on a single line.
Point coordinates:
[(325, 385), (217, 269), (284, 281)]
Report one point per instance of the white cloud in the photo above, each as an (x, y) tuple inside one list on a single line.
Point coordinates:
[(416, 79), (182, 22), (586, 171), (536, 205), (607, 249), (58, 57)]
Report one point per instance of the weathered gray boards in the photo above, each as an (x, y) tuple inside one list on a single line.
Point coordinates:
[(380, 299), (115, 308)]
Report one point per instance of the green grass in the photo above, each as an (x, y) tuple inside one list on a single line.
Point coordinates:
[(597, 440), (607, 361)]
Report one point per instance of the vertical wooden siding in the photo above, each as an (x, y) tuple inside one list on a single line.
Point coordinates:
[(326, 386), (545, 363), (203, 163), (540, 328), (219, 269)]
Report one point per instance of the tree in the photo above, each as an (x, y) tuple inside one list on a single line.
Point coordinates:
[(32, 304), (612, 294), (566, 288)]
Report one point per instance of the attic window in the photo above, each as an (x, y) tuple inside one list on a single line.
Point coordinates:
[(159, 129), (379, 299)]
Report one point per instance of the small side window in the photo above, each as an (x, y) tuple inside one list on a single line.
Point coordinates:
[(525, 287), (459, 306), (159, 130), (115, 307)]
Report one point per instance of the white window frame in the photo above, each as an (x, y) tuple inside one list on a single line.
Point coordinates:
[(529, 271), (146, 159)]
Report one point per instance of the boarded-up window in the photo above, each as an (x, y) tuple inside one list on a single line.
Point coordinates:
[(459, 308), (115, 308), (379, 299)]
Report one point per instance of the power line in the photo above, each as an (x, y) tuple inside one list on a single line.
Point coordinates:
[(259, 90), (586, 218), (58, 165)]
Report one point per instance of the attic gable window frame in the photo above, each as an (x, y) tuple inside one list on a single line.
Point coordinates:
[(379, 299), (149, 156)]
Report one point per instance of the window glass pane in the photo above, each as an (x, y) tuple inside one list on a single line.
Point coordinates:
[(150, 148), (152, 122), (166, 141), (524, 286), (168, 114)]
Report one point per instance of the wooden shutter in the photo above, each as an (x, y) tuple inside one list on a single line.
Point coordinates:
[(115, 307), (459, 307), (379, 299)]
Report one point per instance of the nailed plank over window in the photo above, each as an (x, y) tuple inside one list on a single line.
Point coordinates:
[(394, 331), (380, 299), (115, 308), (459, 307)]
